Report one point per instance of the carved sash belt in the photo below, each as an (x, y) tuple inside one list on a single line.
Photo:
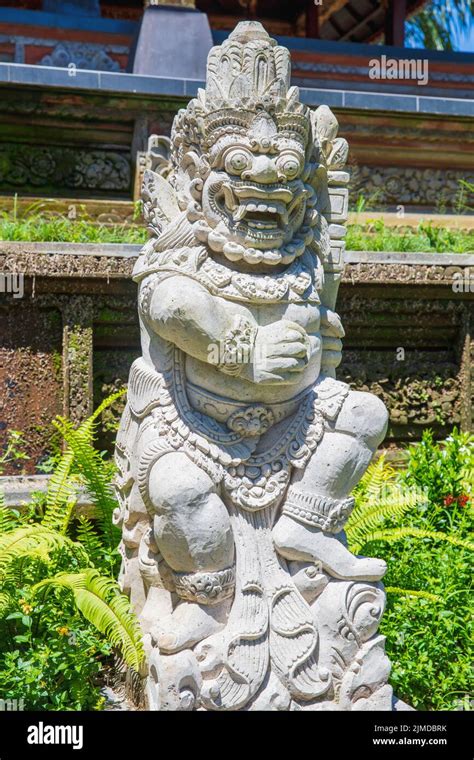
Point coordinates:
[(246, 419)]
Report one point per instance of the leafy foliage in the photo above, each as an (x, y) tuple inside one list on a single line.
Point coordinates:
[(378, 498), (100, 601), (12, 453), (426, 238), (45, 554), (420, 521)]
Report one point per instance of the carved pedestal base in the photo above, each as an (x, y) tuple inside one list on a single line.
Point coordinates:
[(352, 665)]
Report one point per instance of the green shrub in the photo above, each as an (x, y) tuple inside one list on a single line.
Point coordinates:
[(420, 522)]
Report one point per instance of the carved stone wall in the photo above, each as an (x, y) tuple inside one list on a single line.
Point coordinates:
[(396, 157), (384, 186), (45, 168), (82, 56)]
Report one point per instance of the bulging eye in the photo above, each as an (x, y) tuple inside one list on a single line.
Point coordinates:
[(237, 161), (289, 165)]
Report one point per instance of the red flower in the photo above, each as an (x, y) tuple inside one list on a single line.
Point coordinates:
[(448, 500), (463, 500)]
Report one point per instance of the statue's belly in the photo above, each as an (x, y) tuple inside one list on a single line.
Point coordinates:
[(210, 379)]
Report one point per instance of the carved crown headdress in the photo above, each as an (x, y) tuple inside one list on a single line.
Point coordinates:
[(247, 74)]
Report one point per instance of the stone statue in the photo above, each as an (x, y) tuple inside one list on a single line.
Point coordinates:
[(238, 448)]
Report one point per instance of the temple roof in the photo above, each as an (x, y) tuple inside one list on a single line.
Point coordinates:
[(339, 20), (345, 20)]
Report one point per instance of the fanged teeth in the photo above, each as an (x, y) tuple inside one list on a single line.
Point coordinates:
[(239, 213), (247, 208), (230, 199)]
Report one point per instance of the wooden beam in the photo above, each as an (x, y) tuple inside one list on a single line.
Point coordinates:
[(395, 16), (364, 23), (338, 29)]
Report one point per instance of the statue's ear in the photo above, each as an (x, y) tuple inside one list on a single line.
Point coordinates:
[(325, 128), (195, 165), (160, 205), (338, 155)]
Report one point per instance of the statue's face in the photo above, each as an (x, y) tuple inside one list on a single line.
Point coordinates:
[(254, 197)]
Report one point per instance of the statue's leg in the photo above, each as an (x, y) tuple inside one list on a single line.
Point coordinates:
[(321, 488), (193, 533)]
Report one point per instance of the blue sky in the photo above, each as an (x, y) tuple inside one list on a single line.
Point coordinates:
[(465, 41)]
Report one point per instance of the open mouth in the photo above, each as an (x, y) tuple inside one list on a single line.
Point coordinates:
[(260, 215), (251, 208)]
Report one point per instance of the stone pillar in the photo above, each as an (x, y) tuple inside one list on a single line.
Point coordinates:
[(77, 358), (165, 28)]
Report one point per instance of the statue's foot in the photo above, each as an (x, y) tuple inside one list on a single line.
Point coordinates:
[(188, 624), (359, 569), (296, 541)]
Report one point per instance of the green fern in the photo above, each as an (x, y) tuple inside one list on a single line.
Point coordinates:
[(96, 477), (87, 428), (90, 540), (412, 592), (99, 600), (367, 520), (9, 518), (34, 555), (7, 601), (35, 542), (396, 534), (61, 495), (378, 499), (63, 489), (377, 475)]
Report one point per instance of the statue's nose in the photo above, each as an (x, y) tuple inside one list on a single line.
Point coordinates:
[(263, 170)]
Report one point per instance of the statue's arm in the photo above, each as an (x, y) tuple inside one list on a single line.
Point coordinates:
[(185, 313), (332, 333)]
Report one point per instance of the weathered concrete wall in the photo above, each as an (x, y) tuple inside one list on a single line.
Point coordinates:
[(71, 339), (409, 337), (31, 368)]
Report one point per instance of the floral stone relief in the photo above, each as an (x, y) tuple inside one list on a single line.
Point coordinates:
[(238, 448)]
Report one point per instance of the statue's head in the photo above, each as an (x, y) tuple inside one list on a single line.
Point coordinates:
[(245, 143), (248, 159)]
